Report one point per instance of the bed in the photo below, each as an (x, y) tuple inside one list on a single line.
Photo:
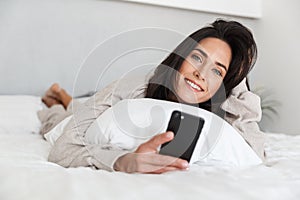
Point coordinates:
[(25, 172)]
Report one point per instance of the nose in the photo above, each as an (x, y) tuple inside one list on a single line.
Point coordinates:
[(198, 75)]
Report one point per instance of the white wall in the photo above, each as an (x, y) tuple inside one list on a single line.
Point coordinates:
[(45, 41), (42, 42), (278, 67)]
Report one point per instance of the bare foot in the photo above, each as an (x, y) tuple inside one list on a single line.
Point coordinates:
[(49, 101), (53, 91), (56, 95)]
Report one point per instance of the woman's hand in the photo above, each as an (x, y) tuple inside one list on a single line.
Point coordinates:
[(147, 160)]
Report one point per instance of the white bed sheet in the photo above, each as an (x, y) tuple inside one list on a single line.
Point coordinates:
[(25, 174)]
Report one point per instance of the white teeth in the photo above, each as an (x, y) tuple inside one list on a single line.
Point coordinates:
[(193, 85)]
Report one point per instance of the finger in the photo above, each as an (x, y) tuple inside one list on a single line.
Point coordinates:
[(170, 161), (156, 141), (164, 170), (160, 169), (161, 160), (148, 168)]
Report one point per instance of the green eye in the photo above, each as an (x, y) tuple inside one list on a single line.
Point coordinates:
[(217, 72), (197, 58)]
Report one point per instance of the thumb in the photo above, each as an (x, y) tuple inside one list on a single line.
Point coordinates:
[(152, 144)]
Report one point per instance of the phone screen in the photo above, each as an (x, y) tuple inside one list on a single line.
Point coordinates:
[(187, 129)]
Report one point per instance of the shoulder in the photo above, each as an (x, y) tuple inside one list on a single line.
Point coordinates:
[(242, 102), (128, 87)]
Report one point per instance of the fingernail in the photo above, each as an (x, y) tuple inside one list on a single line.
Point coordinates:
[(169, 134), (185, 164)]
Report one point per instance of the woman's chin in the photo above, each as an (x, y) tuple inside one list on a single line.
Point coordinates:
[(188, 99)]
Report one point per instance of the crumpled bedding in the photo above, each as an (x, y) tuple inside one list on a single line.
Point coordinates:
[(25, 174)]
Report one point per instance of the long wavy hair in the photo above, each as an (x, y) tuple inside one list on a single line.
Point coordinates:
[(244, 54)]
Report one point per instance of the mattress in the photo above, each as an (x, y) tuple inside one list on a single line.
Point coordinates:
[(25, 172)]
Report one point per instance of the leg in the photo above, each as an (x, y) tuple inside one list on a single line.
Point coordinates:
[(49, 118)]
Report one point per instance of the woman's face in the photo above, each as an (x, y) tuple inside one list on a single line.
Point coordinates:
[(203, 71)]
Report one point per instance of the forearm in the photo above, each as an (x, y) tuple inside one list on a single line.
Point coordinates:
[(73, 151)]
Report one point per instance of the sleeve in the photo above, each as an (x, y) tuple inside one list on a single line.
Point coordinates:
[(243, 112), (71, 149)]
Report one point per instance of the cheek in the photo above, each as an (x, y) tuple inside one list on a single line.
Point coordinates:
[(186, 68), (214, 86)]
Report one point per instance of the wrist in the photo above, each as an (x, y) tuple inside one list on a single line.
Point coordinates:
[(119, 163)]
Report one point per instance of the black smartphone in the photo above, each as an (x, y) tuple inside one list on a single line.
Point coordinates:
[(187, 129)]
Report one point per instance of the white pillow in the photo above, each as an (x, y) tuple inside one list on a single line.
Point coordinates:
[(18, 114)]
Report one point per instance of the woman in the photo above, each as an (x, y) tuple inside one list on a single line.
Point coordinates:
[(205, 70)]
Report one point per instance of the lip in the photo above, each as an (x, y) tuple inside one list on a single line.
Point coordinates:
[(193, 85)]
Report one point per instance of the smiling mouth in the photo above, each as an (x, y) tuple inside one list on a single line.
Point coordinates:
[(193, 85)]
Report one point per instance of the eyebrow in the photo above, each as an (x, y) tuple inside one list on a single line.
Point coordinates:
[(217, 63), (221, 65), (202, 52)]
